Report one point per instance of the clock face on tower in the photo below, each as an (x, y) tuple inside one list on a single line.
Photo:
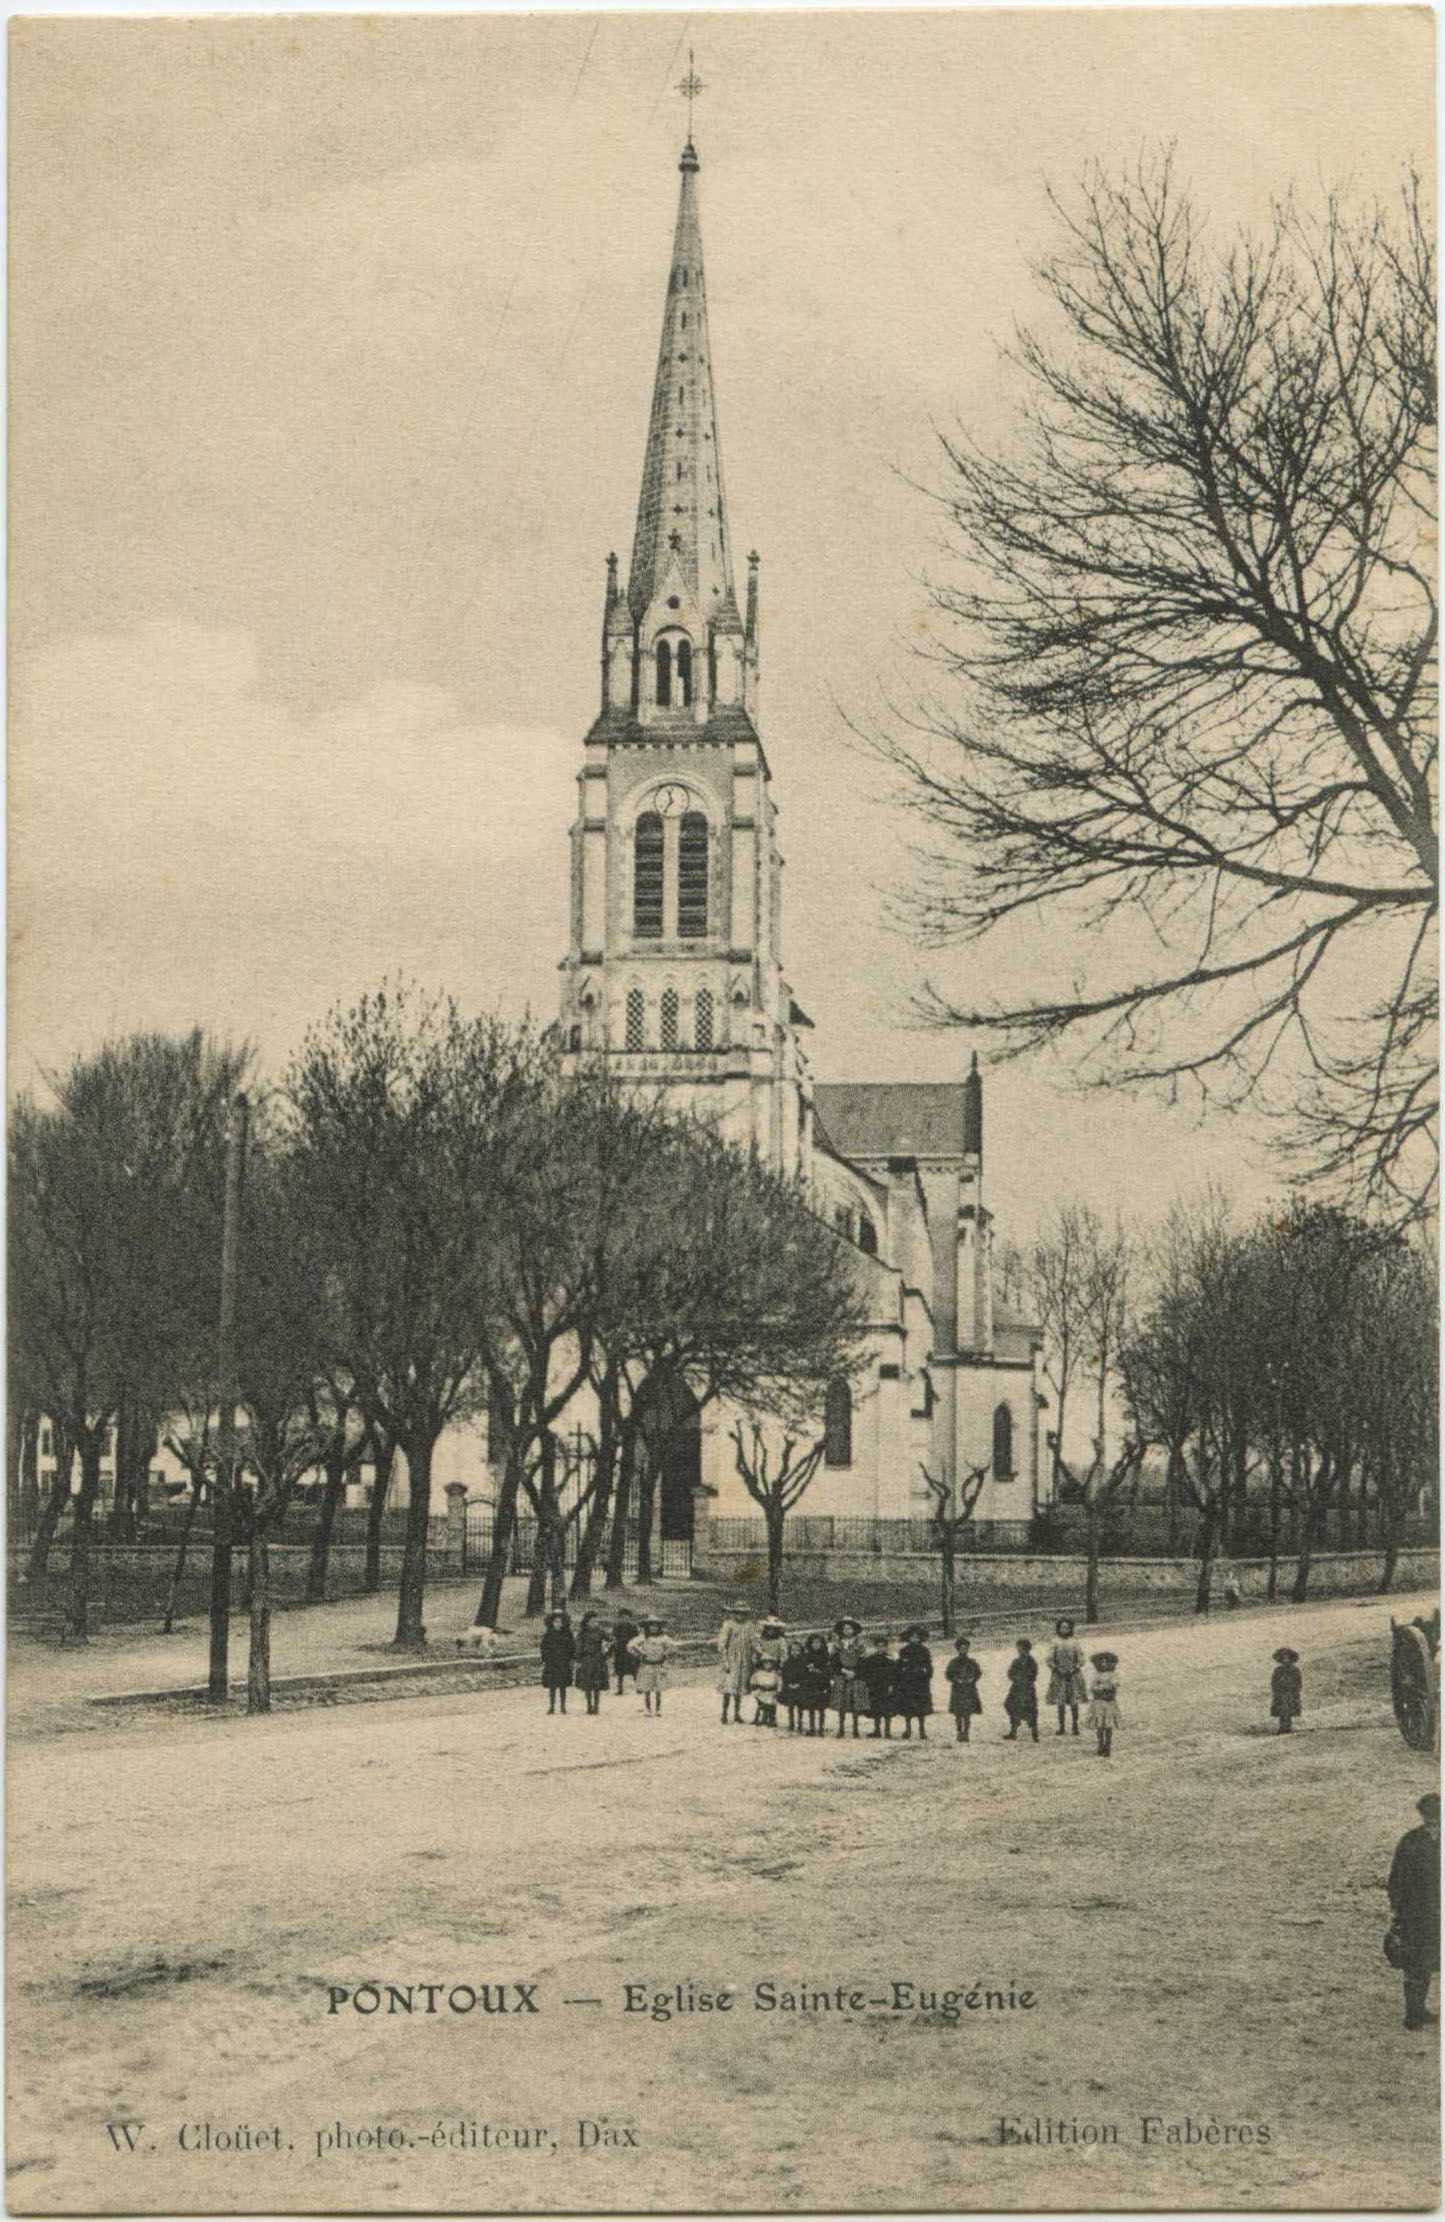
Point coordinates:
[(670, 802)]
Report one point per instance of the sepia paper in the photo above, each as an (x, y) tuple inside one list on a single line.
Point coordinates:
[(342, 362)]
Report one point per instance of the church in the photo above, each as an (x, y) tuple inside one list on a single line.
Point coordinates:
[(674, 974)]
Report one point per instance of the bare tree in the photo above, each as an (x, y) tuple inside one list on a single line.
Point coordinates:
[(953, 1509), (776, 1478), (1191, 641), (1057, 1286), (396, 1107), (114, 1212)]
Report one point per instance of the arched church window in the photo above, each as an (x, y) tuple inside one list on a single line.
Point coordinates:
[(1003, 1444), (684, 673), (664, 672), (647, 878), (635, 1034), (669, 1018), (867, 1235), (702, 1018), (692, 877), (838, 1425)]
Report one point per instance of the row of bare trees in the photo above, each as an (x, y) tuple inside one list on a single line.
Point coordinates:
[(1265, 1380), (433, 1220)]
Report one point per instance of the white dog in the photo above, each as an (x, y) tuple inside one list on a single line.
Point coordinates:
[(478, 1643)]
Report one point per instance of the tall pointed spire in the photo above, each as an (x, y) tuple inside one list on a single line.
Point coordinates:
[(681, 542)]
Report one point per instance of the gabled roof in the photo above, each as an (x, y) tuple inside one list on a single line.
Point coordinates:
[(895, 1118)]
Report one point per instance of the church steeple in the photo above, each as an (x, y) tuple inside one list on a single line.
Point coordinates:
[(681, 543)]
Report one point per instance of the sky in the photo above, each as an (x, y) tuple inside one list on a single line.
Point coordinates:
[(332, 347)]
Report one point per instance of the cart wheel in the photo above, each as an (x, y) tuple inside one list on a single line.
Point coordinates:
[(1412, 1686)]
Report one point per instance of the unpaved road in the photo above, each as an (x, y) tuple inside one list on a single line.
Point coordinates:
[(1199, 1921)]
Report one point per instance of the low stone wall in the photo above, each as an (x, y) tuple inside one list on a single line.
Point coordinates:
[(1332, 1573)]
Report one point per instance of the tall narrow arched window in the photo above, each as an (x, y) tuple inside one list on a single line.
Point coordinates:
[(838, 1425), (647, 877), (702, 1018), (636, 1036), (692, 877), (669, 1018), (684, 672), (664, 672), (867, 1235), (1003, 1444)]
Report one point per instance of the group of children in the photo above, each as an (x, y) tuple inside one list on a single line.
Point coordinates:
[(810, 1677)]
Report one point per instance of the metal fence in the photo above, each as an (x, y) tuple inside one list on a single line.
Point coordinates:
[(1141, 1531)]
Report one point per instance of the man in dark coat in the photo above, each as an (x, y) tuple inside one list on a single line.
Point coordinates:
[(1415, 1909)]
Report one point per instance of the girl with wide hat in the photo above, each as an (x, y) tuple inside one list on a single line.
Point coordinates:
[(652, 1650), (847, 1693), (1068, 1687), (737, 1652)]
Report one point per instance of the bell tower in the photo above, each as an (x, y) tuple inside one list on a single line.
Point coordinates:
[(674, 970)]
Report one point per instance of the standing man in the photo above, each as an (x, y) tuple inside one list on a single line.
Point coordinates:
[(1415, 1909), (737, 1651)]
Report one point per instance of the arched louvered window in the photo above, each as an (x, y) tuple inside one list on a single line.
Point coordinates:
[(669, 1018), (1003, 1444), (838, 1425), (692, 877), (664, 672), (647, 877), (636, 1037), (702, 1018), (867, 1235), (684, 672)]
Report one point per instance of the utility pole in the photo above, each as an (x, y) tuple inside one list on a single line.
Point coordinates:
[(227, 1390)]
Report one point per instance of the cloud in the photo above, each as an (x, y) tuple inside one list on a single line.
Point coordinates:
[(193, 848)]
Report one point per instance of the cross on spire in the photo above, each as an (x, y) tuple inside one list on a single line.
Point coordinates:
[(690, 86)]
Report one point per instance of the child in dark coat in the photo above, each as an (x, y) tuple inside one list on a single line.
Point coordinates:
[(913, 1682), (1022, 1702), (1286, 1689), (876, 1671), (558, 1652), (817, 1681), (590, 1669), (963, 1675), (793, 1691), (625, 1632)]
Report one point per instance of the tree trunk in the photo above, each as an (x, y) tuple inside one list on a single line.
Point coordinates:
[(331, 1495), (258, 1663), (38, 1562), (1275, 1485), (169, 1622), (410, 1629), (1091, 1565), (946, 1556), (646, 1498), (383, 1456), (774, 1517), (222, 1530), (590, 1542), (621, 1505), (77, 1619), (504, 1519), (1208, 1542), (1316, 1498)]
